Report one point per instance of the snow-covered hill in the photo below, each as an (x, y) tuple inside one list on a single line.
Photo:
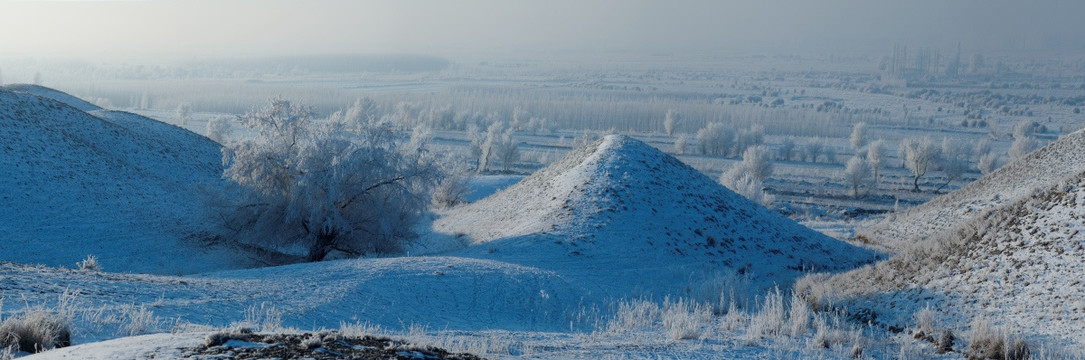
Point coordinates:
[(54, 94), (1018, 265), (630, 220), (111, 184), (1019, 179)]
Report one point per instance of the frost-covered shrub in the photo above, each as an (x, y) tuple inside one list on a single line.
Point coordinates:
[(89, 264), (758, 162), (634, 315), (740, 181), (264, 318), (988, 162), (138, 321), (219, 130), (34, 331), (989, 342), (715, 139), (925, 321), (798, 315), (348, 184), (684, 319), (452, 190), (770, 319), (681, 144)]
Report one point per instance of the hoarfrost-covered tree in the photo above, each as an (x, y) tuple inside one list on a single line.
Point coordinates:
[(787, 147), (955, 157), (758, 162), (858, 136), (856, 173), (920, 156), (830, 154), (875, 157), (738, 179), (670, 121), (715, 139), (681, 144), (988, 163), (478, 140), (507, 149), (452, 190), (1023, 143), (346, 184), (983, 147), (812, 150), (219, 130), (486, 149), (745, 138), (498, 145), (184, 112), (747, 177)]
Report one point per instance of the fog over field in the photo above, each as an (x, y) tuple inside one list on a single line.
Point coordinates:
[(185, 29), (522, 179)]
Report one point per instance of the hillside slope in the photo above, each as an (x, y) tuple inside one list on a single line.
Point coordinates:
[(1038, 170), (628, 219), (54, 94), (1019, 265), (110, 184)]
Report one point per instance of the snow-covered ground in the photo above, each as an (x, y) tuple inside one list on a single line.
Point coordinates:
[(558, 277), (541, 266)]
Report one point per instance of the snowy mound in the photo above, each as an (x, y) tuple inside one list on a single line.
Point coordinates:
[(1019, 265), (110, 184), (60, 96), (1038, 170), (437, 292), (628, 216)]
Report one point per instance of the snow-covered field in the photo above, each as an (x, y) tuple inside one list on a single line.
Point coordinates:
[(625, 248)]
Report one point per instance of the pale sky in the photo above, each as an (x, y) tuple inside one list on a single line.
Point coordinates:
[(196, 28)]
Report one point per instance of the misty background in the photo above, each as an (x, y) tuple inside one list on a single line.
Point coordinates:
[(170, 30)]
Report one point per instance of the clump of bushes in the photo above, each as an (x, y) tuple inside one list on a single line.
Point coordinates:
[(989, 342), (35, 331)]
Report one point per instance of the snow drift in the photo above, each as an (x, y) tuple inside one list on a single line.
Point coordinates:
[(111, 184), (627, 218)]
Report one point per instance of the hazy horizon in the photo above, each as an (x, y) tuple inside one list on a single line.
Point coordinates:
[(105, 30)]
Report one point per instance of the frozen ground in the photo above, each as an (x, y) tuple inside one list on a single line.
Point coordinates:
[(546, 288)]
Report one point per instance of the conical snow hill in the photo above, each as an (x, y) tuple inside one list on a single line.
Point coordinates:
[(638, 220)]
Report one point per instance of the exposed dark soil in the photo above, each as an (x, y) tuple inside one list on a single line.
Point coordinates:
[(319, 346)]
